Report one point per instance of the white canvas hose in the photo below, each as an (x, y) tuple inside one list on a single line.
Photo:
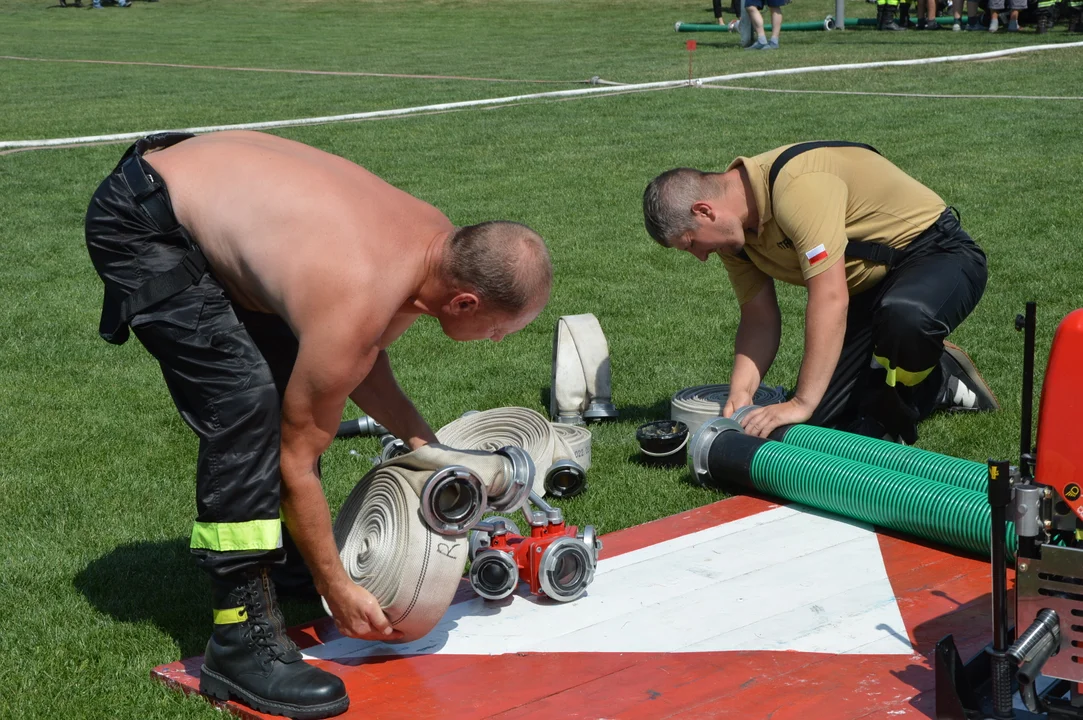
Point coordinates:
[(696, 405), (546, 443), (388, 548), (580, 388)]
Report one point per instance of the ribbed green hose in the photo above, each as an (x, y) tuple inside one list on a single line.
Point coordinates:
[(915, 506), (912, 461), (879, 453)]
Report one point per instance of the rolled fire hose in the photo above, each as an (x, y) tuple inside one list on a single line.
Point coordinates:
[(580, 389), (402, 531), (721, 455), (696, 405), (561, 453)]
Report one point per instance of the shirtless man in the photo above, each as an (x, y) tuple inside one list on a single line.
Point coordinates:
[(268, 281)]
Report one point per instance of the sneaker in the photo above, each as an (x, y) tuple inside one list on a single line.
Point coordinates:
[(772, 44), (994, 25), (932, 25), (758, 45), (1013, 26), (964, 388), (956, 26)]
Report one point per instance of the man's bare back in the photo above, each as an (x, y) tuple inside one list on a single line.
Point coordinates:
[(285, 226)]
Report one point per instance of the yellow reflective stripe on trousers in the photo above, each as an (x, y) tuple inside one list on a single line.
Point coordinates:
[(910, 379), (230, 616), (249, 535)]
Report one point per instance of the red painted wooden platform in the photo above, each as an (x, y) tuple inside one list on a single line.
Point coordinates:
[(936, 591)]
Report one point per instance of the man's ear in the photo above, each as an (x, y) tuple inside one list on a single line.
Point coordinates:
[(703, 209), (464, 303)]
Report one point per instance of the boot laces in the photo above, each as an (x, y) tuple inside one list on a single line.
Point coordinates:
[(260, 628)]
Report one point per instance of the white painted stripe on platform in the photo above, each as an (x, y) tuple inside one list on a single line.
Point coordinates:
[(784, 579), (443, 107)]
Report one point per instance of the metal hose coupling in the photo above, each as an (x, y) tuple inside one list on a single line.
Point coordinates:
[(519, 473), (565, 479), (453, 500), (363, 426), (700, 446), (494, 574)]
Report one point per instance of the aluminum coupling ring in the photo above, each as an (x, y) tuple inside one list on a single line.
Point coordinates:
[(453, 500)]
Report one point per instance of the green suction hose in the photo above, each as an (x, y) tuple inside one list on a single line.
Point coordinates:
[(870, 451), (916, 506), (827, 23)]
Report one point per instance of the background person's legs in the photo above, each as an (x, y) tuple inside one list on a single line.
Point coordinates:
[(776, 25), (753, 7)]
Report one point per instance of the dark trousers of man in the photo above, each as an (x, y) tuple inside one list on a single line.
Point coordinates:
[(226, 367), (890, 374)]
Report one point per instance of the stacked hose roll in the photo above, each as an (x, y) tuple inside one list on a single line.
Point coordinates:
[(702, 403), (933, 510), (388, 547), (581, 380), (561, 453), (881, 453)]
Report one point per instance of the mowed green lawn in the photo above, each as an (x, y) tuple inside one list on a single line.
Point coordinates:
[(96, 469)]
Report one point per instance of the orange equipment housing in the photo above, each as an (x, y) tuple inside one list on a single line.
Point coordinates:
[(1060, 457)]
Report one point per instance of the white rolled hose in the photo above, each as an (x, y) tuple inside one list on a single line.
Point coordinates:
[(581, 381), (696, 405), (386, 536), (550, 445)]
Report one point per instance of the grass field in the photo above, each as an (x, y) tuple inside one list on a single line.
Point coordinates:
[(96, 469)]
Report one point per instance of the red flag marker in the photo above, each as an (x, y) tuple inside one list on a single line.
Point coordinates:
[(690, 44)]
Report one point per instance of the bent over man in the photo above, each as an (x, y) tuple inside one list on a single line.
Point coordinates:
[(888, 268), (268, 280)]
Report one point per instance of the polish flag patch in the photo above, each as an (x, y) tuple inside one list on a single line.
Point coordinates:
[(816, 254)]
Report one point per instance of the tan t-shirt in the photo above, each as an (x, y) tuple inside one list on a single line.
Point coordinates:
[(824, 198)]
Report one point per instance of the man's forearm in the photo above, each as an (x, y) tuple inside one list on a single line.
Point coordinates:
[(754, 350), (825, 328), (308, 518), (380, 396)]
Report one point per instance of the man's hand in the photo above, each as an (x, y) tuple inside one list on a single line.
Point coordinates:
[(735, 401), (357, 614), (761, 421)]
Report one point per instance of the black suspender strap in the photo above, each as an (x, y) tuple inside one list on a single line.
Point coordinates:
[(147, 191), (868, 251), (793, 151), (165, 285)]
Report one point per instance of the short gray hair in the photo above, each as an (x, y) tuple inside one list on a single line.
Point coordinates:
[(505, 263), (668, 200)]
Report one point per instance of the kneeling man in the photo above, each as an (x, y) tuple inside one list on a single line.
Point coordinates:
[(888, 268)]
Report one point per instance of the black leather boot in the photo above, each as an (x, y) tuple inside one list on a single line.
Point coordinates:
[(250, 658)]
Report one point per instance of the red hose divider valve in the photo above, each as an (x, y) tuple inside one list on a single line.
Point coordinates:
[(556, 560), (1060, 462)]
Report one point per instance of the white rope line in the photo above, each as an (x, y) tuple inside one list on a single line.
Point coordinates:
[(270, 124), (338, 73), (897, 94)]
